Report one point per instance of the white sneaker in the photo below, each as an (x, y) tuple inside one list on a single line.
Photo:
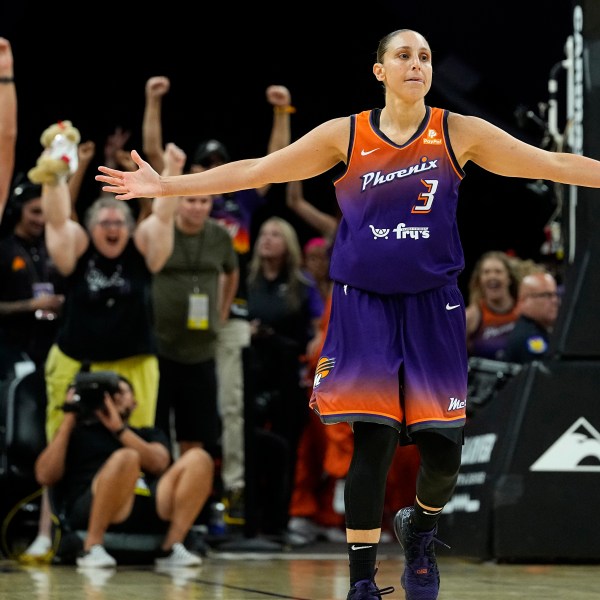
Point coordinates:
[(312, 532), (304, 527), (40, 546), (334, 534), (96, 557), (40, 551), (180, 556)]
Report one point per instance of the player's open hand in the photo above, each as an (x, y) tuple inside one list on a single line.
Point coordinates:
[(142, 183)]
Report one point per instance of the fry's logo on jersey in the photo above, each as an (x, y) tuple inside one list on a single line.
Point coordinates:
[(373, 179), (402, 232), (324, 367)]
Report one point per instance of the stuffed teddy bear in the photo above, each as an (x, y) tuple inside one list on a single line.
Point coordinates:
[(59, 159)]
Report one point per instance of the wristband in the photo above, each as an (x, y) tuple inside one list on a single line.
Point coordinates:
[(284, 110), (7, 79), (120, 431)]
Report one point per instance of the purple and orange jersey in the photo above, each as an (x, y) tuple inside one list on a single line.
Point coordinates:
[(398, 232), (491, 336), (395, 351)]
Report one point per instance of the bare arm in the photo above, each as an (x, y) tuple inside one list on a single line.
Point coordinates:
[(154, 236), (114, 144), (312, 154), (52, 302), (496, 151), (473, 316), (85, 153), (152, 141), (66, 240), (8, 122), (50, 464), (324, 223), (154, 457), (126, 163), (281, 135)]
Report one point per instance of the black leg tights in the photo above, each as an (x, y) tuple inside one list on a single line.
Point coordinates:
[(374, 448), (438, 473), (364, 492)]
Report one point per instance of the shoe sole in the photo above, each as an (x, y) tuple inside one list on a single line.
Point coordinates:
[(36, 559), (399, 519), (401, 515)]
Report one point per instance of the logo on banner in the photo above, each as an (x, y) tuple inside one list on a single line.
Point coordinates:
[(576, 450)]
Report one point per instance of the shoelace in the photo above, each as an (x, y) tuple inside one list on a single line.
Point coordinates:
[(364, 587), (180, 551), (97, 550), (422, 544), (420, 554)]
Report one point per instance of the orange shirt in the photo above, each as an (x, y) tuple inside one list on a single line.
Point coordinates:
[(491, 336)]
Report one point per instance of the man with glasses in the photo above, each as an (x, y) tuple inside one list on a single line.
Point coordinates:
[(538, 309)]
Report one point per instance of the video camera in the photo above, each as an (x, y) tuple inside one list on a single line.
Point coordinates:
[(89, 393)]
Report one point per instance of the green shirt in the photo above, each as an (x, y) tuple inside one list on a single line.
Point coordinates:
[(194, 268)]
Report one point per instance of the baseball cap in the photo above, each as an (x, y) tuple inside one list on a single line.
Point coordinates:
[(25, 191), (22, 192), (210, 149)]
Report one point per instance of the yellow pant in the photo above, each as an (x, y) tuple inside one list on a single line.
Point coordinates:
[(141, 370)]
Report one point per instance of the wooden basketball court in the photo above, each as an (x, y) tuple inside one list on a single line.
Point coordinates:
[(316, 573)]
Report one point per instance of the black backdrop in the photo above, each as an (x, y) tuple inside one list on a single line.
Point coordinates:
[(90, 64)]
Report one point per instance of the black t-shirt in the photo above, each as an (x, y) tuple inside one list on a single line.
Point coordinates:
[(108, 295), (24, 263), (268, 302), (89, 448)]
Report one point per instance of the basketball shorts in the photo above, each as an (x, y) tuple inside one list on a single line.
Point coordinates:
[(399, 360)]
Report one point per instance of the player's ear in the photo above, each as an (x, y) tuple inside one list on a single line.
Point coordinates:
[(379, 71)]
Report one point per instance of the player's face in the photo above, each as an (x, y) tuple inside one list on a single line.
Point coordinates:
[(406, 69)]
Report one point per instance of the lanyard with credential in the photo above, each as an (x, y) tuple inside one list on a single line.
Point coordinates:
[(198, 309)]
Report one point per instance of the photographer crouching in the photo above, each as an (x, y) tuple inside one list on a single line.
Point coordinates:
[(112, 474)]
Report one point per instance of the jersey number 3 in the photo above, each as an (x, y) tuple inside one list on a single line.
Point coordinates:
[(426, 197)]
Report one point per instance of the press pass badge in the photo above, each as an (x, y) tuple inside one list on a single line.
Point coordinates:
[(198, 311)]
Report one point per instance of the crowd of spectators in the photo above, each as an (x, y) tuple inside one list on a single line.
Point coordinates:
[(172, 296)]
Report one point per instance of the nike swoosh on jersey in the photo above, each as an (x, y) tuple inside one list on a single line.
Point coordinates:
[(353, 547), (364, 152), (451, 307)]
